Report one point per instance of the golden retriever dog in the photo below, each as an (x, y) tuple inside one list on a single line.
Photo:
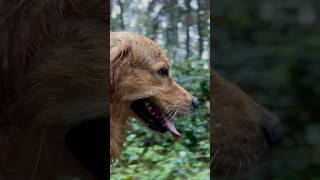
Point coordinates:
[(242, 131), (142, 86), (53, 89)]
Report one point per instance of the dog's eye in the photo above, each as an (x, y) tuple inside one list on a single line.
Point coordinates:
[(163, 72)]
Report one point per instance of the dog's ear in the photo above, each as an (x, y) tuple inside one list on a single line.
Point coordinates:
[(119, 58)]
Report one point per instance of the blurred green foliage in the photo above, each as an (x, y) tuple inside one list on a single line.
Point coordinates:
[(270, 48)]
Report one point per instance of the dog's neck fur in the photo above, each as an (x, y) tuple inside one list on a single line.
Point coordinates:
[(118, 127), (118, 109)]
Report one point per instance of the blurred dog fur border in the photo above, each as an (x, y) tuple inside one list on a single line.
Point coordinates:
[(52, 77), (242, 131)]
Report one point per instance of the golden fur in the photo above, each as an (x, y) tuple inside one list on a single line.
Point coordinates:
[(134, 62)]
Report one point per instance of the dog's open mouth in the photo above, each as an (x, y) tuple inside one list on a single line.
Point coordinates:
[(154, 117)]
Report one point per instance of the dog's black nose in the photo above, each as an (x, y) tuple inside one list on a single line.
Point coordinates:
[(271, 126), (195, 102), (273, 133)]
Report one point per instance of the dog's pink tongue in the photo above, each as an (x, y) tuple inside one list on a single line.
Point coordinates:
[(172, 129)]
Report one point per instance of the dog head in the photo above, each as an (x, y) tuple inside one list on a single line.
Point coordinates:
[(142, 82), (242, 131)]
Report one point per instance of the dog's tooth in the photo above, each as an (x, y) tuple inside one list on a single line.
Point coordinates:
[(153, 113), (149, 108), (146, 103)]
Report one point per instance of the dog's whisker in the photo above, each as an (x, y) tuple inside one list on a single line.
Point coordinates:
[(178, 109), (172, 110), (168, 115), (168, 109), (175, 112)]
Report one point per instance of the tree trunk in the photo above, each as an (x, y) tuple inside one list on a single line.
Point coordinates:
[(188, 22), (152, 30), (200, 26), (172, 29), (122, 26)]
